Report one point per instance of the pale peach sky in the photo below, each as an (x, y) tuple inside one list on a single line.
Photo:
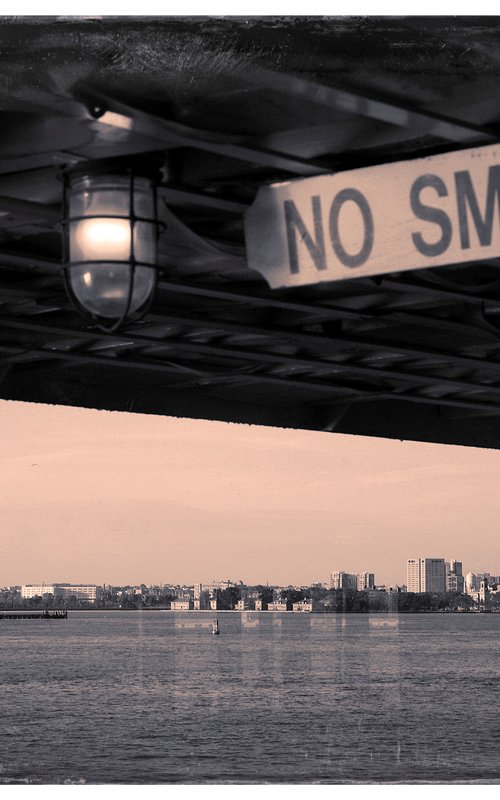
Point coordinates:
[(121, 498)]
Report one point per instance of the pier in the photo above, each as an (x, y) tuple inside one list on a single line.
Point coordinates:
[(33, 614)]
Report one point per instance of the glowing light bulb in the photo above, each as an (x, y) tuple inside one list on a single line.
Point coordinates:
[(101, 239)]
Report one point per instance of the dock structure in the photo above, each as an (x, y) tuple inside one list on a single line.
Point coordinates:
[(62, 614)]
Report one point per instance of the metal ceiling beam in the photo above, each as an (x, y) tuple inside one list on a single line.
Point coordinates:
[(412, 295), (434, 291), (365, 104), (18, 355), (318, 312), (18, 212), (184, 195), (11, 166), (312, 313), (174, 134), (322, 313), (324, 345), (42, 264), (29, 264), (337, 370)]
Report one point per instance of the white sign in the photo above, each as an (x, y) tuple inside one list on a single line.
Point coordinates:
[(407, 215)]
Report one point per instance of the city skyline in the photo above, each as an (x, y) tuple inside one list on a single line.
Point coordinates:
[(333, 582), (122, 498)]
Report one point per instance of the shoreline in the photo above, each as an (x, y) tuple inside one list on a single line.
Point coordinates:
[(253, 611)]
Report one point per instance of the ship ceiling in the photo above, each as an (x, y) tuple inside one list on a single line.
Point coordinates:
[(231, 105)]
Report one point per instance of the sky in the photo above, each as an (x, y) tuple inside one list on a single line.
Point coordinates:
[(110, 497)]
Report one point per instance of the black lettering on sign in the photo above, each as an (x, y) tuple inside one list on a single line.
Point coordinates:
[(430, 214), (466, 197), (348, 259), (295, 224)]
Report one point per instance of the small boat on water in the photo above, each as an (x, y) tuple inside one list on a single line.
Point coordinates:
[(215, 627)]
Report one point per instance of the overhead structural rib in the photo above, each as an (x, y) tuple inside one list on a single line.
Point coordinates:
[(171, 133), (174, 134), (150, 332), (310, 312), (309, 370), (15, 354), (359, 103)]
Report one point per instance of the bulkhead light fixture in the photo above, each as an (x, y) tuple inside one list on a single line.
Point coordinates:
[(111, 232)]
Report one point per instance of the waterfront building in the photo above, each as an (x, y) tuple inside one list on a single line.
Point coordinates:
[(201, 597), (277, 606), (426, 575), (303, 606), (37, 590), (61, 590), (181, 605), (365, 581), (85, 592)]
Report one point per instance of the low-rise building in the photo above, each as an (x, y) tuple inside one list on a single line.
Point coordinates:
[(61, 590), (303, 606), (181, 605), (37, 590), (201, 600), (85, 592), (214, 586), (278, 606)]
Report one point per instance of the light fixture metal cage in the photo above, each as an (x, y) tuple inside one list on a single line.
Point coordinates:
[(118, 248)]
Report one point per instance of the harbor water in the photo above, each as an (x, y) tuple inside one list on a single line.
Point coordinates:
[(154, 697)]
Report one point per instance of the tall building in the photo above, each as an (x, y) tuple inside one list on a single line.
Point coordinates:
[(455, 567), (426, 575), (343, 580), (365, 580), (471, 584), (454, 576), (413, 582)]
